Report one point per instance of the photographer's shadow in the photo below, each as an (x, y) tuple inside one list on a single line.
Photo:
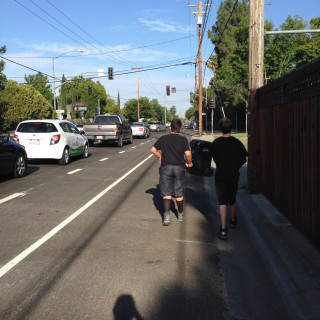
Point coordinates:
[(125, 309)]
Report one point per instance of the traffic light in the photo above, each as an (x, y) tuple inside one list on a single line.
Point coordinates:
[(110, 73), (212, 103), (89, 89), (168, 90)]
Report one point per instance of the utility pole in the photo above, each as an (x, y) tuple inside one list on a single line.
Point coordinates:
[(199, 58), (138, 92), (256, 66)]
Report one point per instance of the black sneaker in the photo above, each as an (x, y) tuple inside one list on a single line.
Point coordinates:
[(223, 233), (233, 223)]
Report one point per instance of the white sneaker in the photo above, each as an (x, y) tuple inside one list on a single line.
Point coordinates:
[(166, 219)]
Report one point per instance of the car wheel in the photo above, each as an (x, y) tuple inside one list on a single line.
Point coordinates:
[(65, 157), (120, 142), (20, 166), (145, 136), (85, 151), (131, 139)]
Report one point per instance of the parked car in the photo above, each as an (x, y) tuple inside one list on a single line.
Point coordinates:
[(13, 158), (140, 129), (51, 139), (157, 126), (80, 127)]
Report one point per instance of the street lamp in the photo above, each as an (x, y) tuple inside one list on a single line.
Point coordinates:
[(54, 78)]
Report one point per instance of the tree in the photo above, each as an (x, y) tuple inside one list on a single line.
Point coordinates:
[(281, 49), (40, 82), (283, 53), (3, 78), (311, 48), (230, 37), (190, 113), (20, 102), (146, 108), (77, 90)]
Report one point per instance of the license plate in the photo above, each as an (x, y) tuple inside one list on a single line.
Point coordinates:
[(99, 137), (34, 142)]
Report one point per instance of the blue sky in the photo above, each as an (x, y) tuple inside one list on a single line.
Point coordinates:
[(121, 34)]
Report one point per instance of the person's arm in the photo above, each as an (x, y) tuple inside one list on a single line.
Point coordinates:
[(156, 152), (188, 156)]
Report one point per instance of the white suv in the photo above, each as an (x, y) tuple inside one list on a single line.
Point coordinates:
[(51, 139)]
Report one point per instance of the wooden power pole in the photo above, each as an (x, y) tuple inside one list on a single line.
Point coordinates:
[(256, 66), (199, 13)]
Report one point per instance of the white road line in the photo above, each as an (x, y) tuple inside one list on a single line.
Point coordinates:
[(15, 195), (74, 171), (104, 159), (121, 152), (133, 147), (198, 242), (7, 267)]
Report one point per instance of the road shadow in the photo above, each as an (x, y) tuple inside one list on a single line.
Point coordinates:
[(158, 202), (125, 309)]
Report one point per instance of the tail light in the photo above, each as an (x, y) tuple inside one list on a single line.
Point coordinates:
[(16, 138), (116, 128), (55, 139)]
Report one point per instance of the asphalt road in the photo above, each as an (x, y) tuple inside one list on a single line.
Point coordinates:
[(85, 241)]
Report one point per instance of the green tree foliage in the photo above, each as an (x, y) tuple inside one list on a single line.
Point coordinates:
[(148, 109), (190, 113), (20, 102), (3, 78), (40, 82), (230, 37), (281, 49), (283, 52), (77, 90)]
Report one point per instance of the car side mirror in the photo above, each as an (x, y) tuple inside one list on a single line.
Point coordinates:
[(4, 139)]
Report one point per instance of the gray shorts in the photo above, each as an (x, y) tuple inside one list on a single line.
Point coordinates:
[(172, 181)]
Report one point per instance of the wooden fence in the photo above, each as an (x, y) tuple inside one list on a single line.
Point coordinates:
[(288, 119)]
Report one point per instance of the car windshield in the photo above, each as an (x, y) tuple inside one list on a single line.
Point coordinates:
[(37, 126), (137, 124), (107, 120)]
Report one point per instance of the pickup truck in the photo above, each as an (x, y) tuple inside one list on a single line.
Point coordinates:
[(109, 128)]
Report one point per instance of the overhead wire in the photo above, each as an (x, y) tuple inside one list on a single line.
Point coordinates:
[(77, 35)]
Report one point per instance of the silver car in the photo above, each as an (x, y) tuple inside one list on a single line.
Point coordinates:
[(140, 129), (157, 126)]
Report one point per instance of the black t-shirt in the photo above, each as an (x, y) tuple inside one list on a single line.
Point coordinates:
[(230, 155), (173, 147)]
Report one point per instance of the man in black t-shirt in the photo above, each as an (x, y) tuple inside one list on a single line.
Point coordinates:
[(230, 155), (173, 152)]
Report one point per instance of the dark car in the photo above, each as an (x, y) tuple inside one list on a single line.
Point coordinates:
[(13, 158)]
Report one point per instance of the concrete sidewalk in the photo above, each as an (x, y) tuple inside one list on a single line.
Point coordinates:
[(271, 270)]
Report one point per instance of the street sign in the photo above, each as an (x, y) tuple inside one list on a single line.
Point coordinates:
[(59, 111)]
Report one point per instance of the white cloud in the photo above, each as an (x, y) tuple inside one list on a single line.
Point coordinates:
[(162, 26)]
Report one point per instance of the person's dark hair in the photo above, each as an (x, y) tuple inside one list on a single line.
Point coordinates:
[(225, 125), (176, 125)]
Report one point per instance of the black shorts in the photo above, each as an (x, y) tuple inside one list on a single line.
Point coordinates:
[(172, 181), (227, 191)]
